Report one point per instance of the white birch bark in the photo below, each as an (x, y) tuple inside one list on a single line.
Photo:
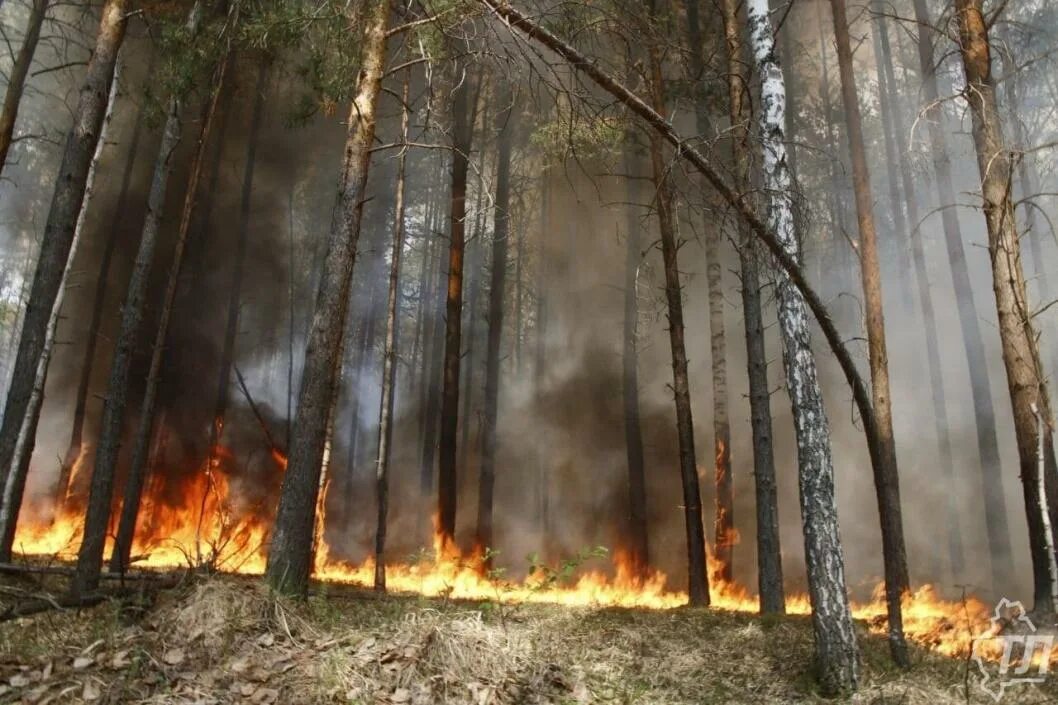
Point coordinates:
[(835, 640)]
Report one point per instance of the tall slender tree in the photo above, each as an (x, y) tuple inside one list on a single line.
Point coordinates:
[(995, 515), (769, 556), (1026, 380), (724, 526), (104, 470), (506, 118), (290, 553), (65, 208), (389, 365), (464, 110), (886, 476), (141, 444), (14, 487), (664, 202)]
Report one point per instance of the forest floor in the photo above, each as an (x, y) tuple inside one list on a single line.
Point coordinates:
[(228, 640)]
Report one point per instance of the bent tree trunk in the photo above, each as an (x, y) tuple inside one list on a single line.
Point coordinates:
[(1021, 356), (987, 443), (141, 445), (835, 640), (14, 488), (389, 364), (505, 120), (289, 556), (16, 81), (769, 556), (62, 222), (697, 579), (886, 478)]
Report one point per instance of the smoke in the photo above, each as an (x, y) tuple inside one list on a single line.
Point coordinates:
[(561, 470)]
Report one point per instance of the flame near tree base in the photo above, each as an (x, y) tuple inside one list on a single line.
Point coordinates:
[(209, 525)]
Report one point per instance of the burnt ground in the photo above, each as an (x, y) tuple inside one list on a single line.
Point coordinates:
[(227, 640)]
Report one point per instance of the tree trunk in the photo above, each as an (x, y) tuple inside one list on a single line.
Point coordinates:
[(463, 110), (769, 556), (697, 580), (505, 126), (1021, 356), (141, 445), (886, 476), (835, 640), (724, 525), (16, 81), (289, 557), (62, 222), (389, 365), (987, 442), (637, 541), (15, 484), (897, 159), (108, 445), (76, 447)]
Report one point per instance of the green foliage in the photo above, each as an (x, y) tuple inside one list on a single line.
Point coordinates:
[(549, 577), (570, 135)]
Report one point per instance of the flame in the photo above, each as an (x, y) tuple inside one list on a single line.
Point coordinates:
[(202, 520)]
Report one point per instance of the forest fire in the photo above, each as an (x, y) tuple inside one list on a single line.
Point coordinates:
[(210, 526)]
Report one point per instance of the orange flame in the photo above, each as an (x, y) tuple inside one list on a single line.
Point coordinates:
[(207, 523)]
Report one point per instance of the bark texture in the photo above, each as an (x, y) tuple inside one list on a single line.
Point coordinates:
[(389, 360), (724, 525), (883, 461), (835, 640), (463, 104), (505, 118), (987, 441), (1026, 382), (769, 556), (664, 202), (66, 203), (14, 488), (289, 556), (16, 80), (141, 444)]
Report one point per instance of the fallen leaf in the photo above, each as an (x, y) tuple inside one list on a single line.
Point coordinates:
[(120, 659), (173, 656), (240, 664), (90, 691), (82, 662), (19, 680), (266, 639), (400, 695), (247, 689)]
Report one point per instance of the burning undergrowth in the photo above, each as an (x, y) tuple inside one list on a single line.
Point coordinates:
[(227, 640)]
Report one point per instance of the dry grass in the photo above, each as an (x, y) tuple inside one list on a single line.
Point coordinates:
[(227, 640)]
